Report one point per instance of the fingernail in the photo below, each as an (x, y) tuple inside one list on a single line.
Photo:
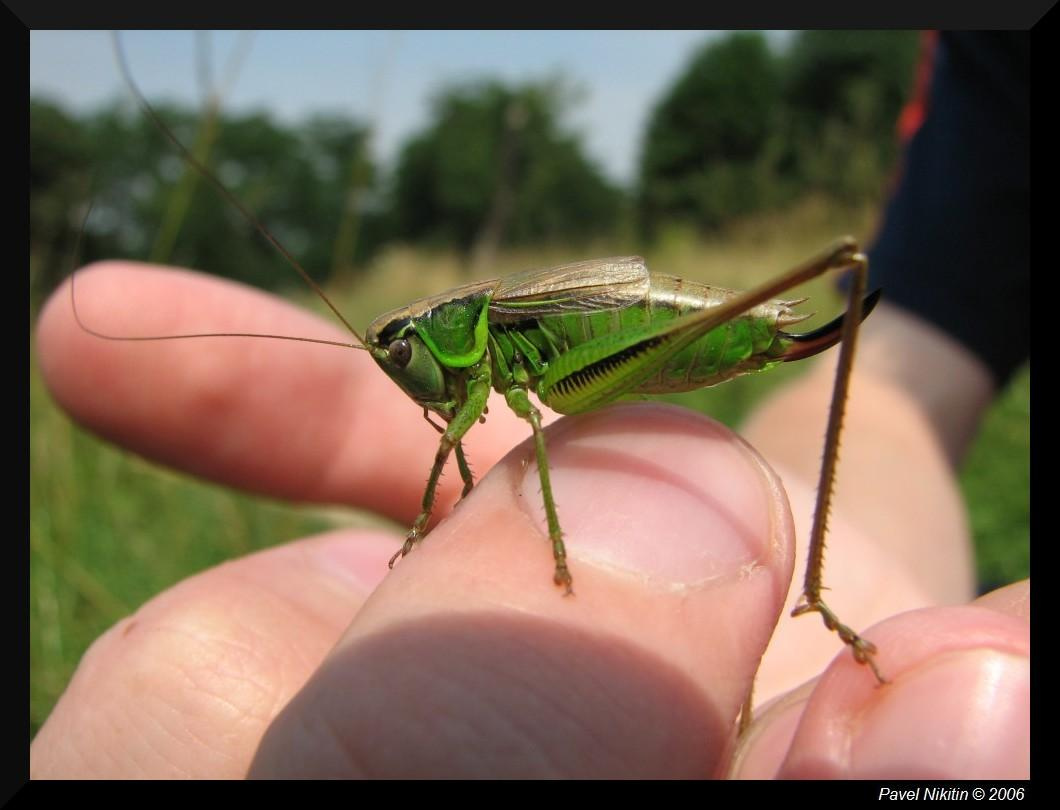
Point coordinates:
[(977, 698), (657, 491), (760, 752)]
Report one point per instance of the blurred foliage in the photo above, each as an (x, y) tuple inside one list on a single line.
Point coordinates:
[(494, 168), (708, 149), (59, 167), (744, 129), (996, 483), (300, 181), (843, 92)]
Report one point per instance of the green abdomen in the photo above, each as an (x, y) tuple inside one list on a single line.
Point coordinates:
[(748, 343)]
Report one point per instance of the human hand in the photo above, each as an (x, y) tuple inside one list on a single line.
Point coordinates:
[(310, 660)]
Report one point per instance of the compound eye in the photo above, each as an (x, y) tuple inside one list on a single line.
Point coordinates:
[(400, 352)]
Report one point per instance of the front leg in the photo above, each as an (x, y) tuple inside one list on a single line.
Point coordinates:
[(520, 403), (478, 389), (461, 460)]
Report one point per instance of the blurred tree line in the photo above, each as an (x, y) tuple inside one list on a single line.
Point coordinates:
[(741, 129)]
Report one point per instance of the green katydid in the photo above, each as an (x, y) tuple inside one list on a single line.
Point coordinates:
[(581, 336)]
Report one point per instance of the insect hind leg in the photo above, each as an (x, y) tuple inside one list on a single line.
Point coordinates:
[(846, 256)]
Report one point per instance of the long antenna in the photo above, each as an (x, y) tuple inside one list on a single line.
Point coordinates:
[(104, 336), (224, 192)]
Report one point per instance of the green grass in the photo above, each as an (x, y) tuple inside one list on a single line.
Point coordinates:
[(108, 530), (995, 480)]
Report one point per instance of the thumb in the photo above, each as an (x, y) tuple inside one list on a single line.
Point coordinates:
[(467, 660)]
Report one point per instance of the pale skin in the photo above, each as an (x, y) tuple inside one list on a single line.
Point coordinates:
[(312, 660)]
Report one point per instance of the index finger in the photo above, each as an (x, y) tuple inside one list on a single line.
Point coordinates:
[(281, 418)]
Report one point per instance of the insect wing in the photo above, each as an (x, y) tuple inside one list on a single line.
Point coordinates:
[(590, 286)]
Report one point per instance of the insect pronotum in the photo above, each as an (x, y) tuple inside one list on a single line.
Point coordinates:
[(580, 336)]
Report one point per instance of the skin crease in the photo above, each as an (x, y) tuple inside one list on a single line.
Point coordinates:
[(311, 660)]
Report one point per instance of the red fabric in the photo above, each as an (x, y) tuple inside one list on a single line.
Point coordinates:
[(915, 110)]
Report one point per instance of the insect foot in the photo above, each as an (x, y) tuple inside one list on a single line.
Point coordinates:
[(862, 649), (563, 578), (411, 539)]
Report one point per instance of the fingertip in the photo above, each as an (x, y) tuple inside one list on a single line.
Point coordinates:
[(1012, 600), (956, 705), (474, 634), (650, 498), (663, 494)]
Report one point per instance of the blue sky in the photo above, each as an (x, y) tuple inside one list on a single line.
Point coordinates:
[(385, 77)]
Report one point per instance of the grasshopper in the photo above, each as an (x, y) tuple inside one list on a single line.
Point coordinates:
[(579, 337), (583, 335)]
